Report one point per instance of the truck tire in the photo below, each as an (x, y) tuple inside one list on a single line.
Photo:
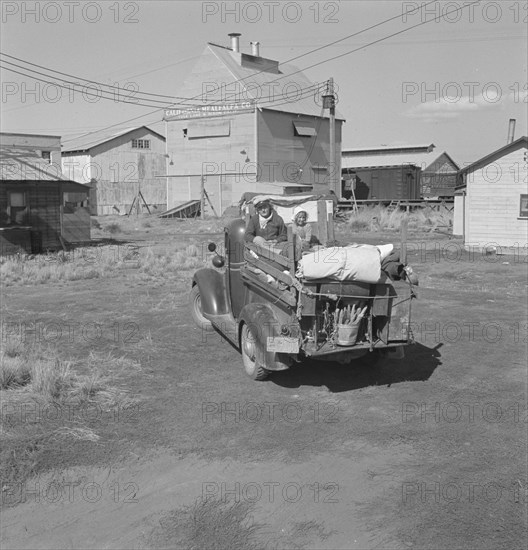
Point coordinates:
[(248, 347), (195, 303), (261, 323)]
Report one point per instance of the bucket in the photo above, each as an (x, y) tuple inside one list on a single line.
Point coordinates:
[(347, 334)]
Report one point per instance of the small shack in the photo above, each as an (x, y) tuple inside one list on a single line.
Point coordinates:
[(39, 208), (491, 201)]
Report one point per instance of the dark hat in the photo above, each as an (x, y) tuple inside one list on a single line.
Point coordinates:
[(261, 202)]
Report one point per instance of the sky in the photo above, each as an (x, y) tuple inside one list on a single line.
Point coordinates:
[(452, 74)]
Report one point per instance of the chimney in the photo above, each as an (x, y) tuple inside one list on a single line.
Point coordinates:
[(235, 41), (255, 49), (511, 130)]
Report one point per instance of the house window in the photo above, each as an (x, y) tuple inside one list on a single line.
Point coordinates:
[(141, 144), (16, 207), (523, 210), (46, 155)]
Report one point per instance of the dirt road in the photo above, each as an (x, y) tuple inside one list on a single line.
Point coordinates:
[(428, 452)]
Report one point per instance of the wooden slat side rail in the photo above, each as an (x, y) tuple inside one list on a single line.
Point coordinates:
[(287, 296), (270, 270), (264, 252)]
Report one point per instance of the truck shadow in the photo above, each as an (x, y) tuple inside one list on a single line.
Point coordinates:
[(418, 365)]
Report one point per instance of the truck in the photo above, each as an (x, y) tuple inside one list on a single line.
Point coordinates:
[(253, 298)]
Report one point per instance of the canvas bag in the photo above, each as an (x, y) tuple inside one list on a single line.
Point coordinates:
[(357, 262)]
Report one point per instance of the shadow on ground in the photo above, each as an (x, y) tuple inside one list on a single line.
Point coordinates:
[(418, 365)]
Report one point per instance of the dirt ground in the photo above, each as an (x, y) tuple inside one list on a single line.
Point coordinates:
[(428, 452)]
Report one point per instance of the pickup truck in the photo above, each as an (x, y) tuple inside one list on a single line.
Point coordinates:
[(254, 299)]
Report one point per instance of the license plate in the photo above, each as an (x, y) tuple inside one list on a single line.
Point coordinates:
[(282, 344)]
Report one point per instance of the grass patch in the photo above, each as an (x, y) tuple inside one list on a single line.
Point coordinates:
[(49, 406), (380, 218), (112, 228), (211, 524), (95, 262)]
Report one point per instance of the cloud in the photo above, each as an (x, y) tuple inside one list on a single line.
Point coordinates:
[(442, 108)]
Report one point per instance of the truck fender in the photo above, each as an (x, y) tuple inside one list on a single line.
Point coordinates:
[(263, 323), (213, 293)]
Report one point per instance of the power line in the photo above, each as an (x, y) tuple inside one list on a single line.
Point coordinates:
[(376, 41), (78, 77), (135, 100), (82, 91), (332, 58)]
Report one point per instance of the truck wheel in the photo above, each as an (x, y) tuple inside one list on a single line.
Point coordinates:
[(195, 302), (248, 345)]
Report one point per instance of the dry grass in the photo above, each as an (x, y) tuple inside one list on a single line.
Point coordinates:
[(98, 262), (212, 524), (38, 392), (379, 218)]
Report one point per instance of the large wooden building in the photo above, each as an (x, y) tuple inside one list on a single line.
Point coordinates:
[(398, 173), (491, 201), (254, 126), (117, 166), (40, 209)]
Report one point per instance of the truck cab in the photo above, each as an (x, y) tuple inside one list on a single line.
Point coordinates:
[(257, 298)]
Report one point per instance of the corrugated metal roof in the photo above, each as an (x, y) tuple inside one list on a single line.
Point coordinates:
[(83, 143), (273, 85), (23, 164), (422, 160), (387, 148)]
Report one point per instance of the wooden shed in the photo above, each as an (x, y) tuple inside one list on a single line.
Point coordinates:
[(39, 208), (117, 166), (438, 179), (491, 204)]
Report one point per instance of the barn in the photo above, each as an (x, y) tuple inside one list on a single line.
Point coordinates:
[(253, 127), (491, 201), (407, 172), (118, 166), (40, 209)]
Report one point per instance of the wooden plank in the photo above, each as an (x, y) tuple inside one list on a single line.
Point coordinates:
[(273, 271), (287, 296), (403, 247), (265, 252), (322, 222)]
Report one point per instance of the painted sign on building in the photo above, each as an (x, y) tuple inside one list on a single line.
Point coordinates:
[(202, 111)]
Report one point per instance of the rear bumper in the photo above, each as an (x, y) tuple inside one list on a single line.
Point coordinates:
[(331, 349)]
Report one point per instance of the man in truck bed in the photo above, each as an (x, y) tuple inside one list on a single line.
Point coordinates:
[(266, 225)]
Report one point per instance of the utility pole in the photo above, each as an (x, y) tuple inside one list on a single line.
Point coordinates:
[(329, 103), (202, 197)]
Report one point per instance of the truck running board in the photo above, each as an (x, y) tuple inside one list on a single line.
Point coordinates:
[(226, 325)]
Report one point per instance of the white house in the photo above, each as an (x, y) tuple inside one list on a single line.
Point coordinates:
[(491, 201)]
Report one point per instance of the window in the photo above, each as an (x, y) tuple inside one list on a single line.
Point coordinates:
[(141, 144), (46, 155), (523, 210), (16, 207)]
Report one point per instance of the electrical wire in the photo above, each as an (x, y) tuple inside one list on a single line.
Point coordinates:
[(330, 59), (137, 95), (376, 41)]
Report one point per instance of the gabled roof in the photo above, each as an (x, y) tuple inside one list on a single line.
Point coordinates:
[(24, 164), (87, 142), (491, 157), (264, 82)]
